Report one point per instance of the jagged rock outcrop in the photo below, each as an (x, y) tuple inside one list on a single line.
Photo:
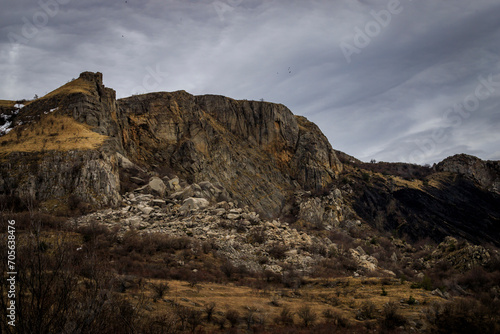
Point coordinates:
[(259, 152), (88, 175), (324, 212), (485, 173), (435, 205), (461, 255)]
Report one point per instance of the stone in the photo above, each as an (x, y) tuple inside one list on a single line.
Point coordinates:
[(125, 162), (157, 202), (485, 173), (193, 204), (157, 186), (137, 180), (363, 260), (146, 210), (173, 184), (233, 216), (133, 221), (184, 193)]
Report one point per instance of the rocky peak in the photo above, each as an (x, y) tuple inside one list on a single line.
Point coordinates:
[(92, 77), (485, 173)]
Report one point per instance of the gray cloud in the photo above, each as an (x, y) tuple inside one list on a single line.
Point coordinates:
[(387, 103)]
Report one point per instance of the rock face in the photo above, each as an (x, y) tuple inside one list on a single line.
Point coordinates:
[(258, 152), (88, 175), (485, 173)]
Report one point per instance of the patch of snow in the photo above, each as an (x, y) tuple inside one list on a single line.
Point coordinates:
[(54, 109), (5, 128), (19, 105)]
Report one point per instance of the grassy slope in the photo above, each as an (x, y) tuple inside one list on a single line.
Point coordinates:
[(7, 104), (52, 132), (348, 293), (76, 86)]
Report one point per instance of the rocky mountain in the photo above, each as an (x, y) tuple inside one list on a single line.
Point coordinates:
[(168, 211), (258, 152), (79, 144), (484, 173)]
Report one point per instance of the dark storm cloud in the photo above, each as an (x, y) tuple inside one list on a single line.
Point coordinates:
[(394, 99)]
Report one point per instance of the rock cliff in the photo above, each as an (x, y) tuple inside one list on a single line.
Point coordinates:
[(64, 145), (485, 173), (259, 152), (78, 143)]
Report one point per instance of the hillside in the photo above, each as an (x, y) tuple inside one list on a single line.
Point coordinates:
[(153, 207)]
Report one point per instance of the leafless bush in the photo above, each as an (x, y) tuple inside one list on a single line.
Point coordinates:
[(159, 290), (161, 324), (233, 317), (464, 315), (391, 317), (278, 251), (257, 235), (285, 317), (210, 310), (194, 319), (307, 315), (367, 311)]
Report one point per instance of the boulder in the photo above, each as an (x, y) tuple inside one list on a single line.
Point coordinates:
[(193, 204), (137, 180), (157, 186), (124, 162), (362, 259), (173, 184)]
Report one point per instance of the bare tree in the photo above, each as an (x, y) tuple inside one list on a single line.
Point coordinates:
[(159, 290), (210, 310), (307, 315)]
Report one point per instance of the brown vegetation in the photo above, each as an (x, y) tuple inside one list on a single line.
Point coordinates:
[(161, 283), (52, 132)]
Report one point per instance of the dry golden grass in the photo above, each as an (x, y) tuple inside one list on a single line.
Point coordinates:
[(400, 182), (346, 297), (52, 132), (7, 103), (76, 86), (437, 180)]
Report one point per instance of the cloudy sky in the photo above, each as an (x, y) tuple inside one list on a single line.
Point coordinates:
[(389, 80)]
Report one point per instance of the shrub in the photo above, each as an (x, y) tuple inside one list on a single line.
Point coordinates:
[(391, 316), (462, 316), (193, 319), (159, 290), (365, 176), (307, 315), (278, 251), (210, 310), (367, 311), (285, 317), (411, 301), (233, 317)]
